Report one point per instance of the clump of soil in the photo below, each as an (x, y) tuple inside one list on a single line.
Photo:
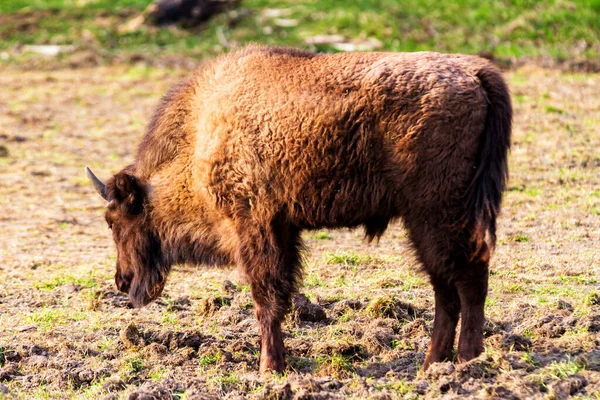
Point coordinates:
[(9, 372), (131, 336), (378, 336), (304, 310), (340, 307), (514, 342), (229, 288), (211, 305), (391, 307)]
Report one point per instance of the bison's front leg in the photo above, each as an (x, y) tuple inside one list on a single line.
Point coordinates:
[(272, 350), (271, 262)]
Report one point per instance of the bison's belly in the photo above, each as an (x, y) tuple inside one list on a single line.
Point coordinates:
[(331, 202)]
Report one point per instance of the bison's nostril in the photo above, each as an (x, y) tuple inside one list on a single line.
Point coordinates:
[(122, 284)]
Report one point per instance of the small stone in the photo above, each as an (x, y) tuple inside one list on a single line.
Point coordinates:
[(3, 389)]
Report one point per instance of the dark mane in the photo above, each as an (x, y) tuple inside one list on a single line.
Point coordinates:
[(167, 132)]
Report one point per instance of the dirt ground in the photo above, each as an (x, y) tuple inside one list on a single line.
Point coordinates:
[(363, 328)]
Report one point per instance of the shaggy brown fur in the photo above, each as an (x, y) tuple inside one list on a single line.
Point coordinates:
[(263, 143)]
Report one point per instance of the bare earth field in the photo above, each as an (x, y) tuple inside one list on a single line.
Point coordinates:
[(363, 328)]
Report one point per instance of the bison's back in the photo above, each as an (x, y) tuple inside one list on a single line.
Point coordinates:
[(338, 140)]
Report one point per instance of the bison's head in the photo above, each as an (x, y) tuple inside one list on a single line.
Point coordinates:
[(141, 270)]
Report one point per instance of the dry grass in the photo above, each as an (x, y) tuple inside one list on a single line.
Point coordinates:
[(66, 332)]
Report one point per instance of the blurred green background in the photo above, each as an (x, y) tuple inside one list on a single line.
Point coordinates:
[(506, 29)]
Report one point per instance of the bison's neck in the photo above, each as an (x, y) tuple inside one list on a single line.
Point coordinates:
[(190, 231)]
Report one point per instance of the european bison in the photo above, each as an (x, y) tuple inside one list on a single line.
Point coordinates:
[(263, 143)]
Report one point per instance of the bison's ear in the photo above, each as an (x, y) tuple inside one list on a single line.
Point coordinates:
[(128, 192)]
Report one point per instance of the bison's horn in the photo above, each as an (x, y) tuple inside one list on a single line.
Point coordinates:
[(98, 185)]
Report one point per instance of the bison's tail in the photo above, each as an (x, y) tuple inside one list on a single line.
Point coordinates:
[(489, 181)]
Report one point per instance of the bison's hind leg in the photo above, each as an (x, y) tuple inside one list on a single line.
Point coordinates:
[(457, 264), (471, 280), (270, 258)]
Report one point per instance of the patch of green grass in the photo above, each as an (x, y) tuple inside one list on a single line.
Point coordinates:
[(302, 363), (106, 344), (511, 29), (518, 238), (335, 365), (348, 258), (41, 392), (401, 387), (554, 110), (346, 316), (312, 281), (520, 98), (51, 284), (514, 288), (169, 317), (2, 357), (322, 235), (402, 344), (560, 289), (20, 5), (49, 317), (528, 358), (559, 370), (340, 281), (532, 192), (405, 283), (158, 373), (578, 279), (243, 288), (529, 334), (225, 382), (211, 359), (134, 365), (592, 298)]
